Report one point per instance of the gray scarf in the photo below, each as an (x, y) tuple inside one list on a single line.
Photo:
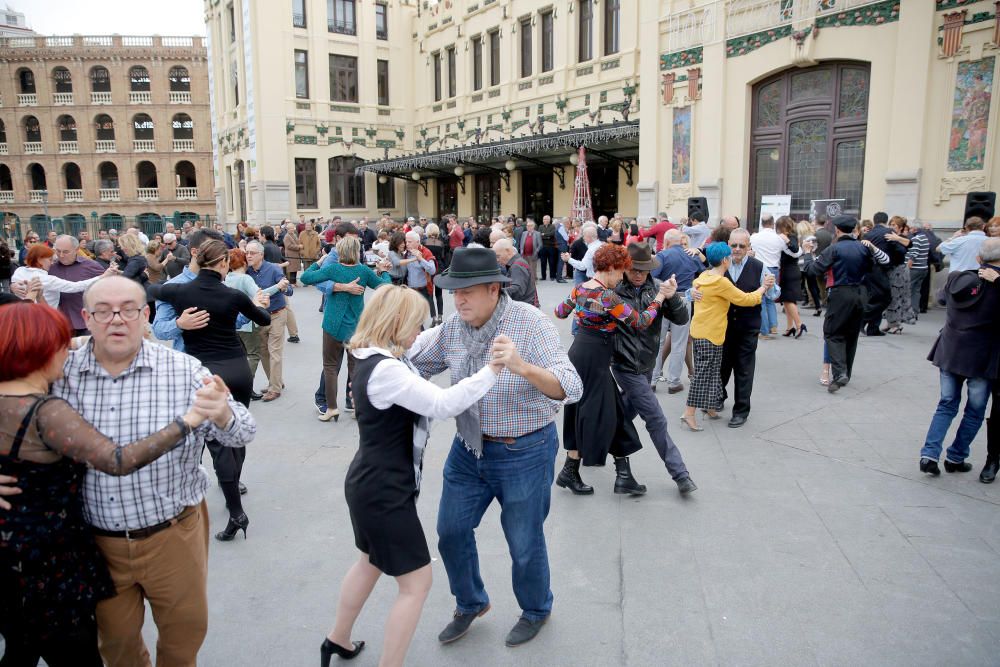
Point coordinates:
[(477, 343)]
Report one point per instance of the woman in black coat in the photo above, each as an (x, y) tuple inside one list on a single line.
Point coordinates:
[(790, 277)]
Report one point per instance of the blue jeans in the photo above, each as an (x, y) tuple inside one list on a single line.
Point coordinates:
[(768, 311), (320, 395), (519, 476), (951, 398)]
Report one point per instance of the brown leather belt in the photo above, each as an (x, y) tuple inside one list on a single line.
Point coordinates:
[(274, 312), (143, 533), (506, 441)]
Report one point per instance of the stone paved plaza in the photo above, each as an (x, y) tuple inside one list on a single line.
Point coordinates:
[(812, 540)]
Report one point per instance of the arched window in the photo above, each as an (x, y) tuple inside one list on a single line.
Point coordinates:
[(105, 127), (112, 221), (36, 176), (183, 126), (142, 127), (26, 81), (109, 175), (72, 177), (32, 130), (100, 80), (63, 80), (146, 175), (185, 175), (67, 128), (6, 182), (138, 78), (180, 80), (347, 190)]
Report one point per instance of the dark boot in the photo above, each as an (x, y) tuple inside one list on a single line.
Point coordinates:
[(624, 481), (569, 478)]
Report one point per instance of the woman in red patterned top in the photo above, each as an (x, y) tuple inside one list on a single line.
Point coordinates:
[(596, 426)]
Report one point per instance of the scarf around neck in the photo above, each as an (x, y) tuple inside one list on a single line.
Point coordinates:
[(477, 343)]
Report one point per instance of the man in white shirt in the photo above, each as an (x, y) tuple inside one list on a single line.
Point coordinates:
[(590, 237), (767, 247), (963, 246)]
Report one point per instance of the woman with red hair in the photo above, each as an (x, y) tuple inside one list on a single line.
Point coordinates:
[(51, 573), (596, 426), (37, 263)]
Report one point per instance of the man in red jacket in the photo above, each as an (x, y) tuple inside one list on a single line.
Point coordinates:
[(658, 229)]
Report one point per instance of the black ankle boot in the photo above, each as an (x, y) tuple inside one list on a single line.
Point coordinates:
[(624, 481), (990, 470), (569, 478)]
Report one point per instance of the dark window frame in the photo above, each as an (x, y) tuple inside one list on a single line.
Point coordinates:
[(301, 67), (231, 15), (299, 13), (346, 68), (525, 47), (436, 74), (381, 16), (612, 26), (305, 192), (452, 58), (477, 62), (494, 57), (585, 29), (385, 194), (382, 74), (347, 188), (548, 41), (342, 17)]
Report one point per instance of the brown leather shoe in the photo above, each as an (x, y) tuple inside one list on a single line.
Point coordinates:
[(270, 396)]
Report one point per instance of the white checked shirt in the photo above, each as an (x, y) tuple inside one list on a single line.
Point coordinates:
[(157, 388)]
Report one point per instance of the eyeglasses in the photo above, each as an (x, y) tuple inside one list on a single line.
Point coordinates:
[(31, 240), (738, 245), (106, 316)]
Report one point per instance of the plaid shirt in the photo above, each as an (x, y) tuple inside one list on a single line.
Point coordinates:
[(158, 387), (513, 407)]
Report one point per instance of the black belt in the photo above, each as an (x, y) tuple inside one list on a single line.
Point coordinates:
[(143, 533)]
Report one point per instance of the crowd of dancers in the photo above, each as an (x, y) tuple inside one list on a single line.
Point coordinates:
[(123, 357)]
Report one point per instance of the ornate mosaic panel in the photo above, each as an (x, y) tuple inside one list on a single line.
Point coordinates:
[(681, 162), (970, 115)]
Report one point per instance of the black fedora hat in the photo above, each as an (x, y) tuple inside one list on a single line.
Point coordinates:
[(964, 289), (471, 266), (642, 257)]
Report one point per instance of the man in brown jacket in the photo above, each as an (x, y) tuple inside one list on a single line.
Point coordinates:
[(311, 243)]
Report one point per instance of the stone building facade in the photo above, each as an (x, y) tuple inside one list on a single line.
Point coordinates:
[(104, 131), (477, 107)]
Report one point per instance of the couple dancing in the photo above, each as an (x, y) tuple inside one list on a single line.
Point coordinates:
[(505, 449)]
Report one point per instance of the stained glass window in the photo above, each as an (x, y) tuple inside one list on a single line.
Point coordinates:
[(853, 93), (807, 161), (766, 161), (849, 174), (817, 83), (681, 162), (769, 105)]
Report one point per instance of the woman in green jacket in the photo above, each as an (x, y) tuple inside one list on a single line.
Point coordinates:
[(342, 311)]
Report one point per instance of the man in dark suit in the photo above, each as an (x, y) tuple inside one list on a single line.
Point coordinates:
[(877, 280), (967, 351)]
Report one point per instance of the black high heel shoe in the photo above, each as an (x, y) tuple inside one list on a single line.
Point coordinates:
[(235, 525), (802, 329), (790, 332), (328, 649)]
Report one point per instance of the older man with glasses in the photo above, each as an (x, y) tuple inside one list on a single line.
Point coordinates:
[(74, 268)]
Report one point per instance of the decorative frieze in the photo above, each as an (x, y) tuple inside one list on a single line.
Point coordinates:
[(684, 58), (883, 12)]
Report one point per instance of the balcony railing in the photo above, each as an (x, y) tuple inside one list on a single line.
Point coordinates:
[(187, 193), (69, 147), (104, 146), (62, 99), (37, 196), (342, 27), (73, 195), (27, 100), (149, 194), (32, 148), (100, 98), (3, 148), (180, 97), (183, 144), (6, 196), (139, 97), (143, 145), (109, 194)]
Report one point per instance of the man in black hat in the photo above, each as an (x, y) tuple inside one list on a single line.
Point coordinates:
[(506, 444), (877, 280), (851, 261), (636, 351), (967, 351)]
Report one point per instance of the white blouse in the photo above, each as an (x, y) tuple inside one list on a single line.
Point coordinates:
[(52, 286)]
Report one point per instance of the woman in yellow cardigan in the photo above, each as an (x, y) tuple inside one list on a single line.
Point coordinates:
[(708, 331)]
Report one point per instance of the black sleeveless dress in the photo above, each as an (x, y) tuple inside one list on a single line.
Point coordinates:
[(381, 485), (52, 574)]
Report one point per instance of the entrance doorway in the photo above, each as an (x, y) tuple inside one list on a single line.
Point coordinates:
[(536, 193), (447, 199), (808, 137), (603, 179), (487, 197)]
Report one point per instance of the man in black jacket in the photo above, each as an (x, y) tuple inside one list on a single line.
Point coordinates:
[(877, 280), (635, 355)]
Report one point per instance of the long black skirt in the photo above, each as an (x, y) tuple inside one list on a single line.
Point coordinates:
[(596, 426)]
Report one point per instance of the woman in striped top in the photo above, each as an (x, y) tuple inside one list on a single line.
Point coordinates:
[(596, 426)]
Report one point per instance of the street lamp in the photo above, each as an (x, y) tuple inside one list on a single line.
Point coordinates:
[(415, 175), (382, 180), (45, 204), (574, 160), (510, 165), (460, 171)]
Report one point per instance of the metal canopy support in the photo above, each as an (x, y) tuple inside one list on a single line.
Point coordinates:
[(504, 175), (422, 182), (626, 165), (461, 179), (556, 169)]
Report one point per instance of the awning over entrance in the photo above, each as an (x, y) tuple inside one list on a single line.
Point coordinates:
[(617, 141)]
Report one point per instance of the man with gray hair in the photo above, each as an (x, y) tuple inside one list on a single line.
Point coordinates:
[(522, 280), (72, 267), (590, 236), (104, 253)]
